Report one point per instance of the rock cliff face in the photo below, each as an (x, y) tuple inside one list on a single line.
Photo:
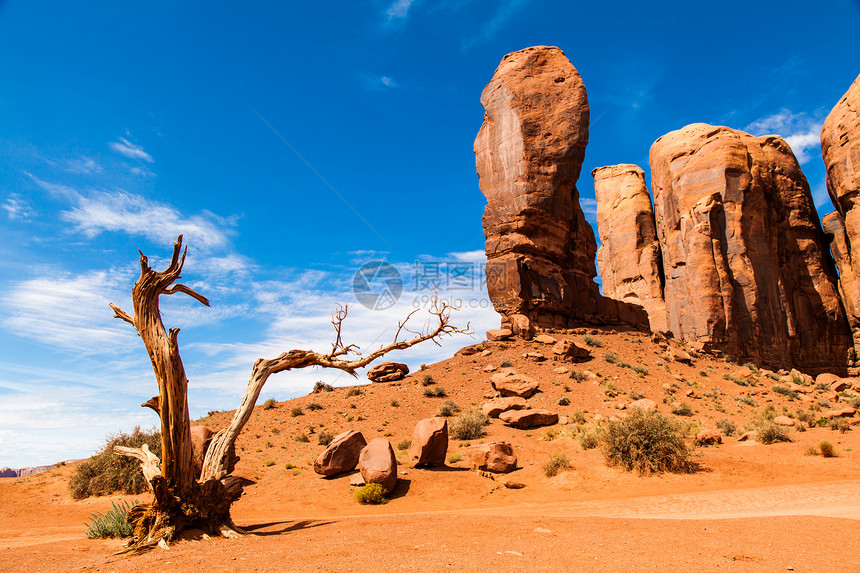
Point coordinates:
[(744, 257), (840, 146), (529, 153), (629, 257)]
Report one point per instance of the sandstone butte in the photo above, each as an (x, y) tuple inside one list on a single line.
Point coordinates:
[(629, 256), (746, 263), (529, 153), (840, 147)]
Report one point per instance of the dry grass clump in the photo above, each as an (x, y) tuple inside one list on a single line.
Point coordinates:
[(435, 392), (325, 437), (727, 427), (769, 433), (106, 473), (322, 387), (448, 408), (824, 449), (647, 442), (555, 465), (268, 404), (469, 425)]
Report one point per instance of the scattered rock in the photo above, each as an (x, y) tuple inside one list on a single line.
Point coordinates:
[(783, 421), (841, 384), (486, 353), (499, 334), (495, 457), (356, 480), (341, 455), (709, 438), (743, 372), (387, 372), (748, 436), (470, 350), (544, 339), (826, 378), (429, 442), (490, 368), (561, 370), (508, 384), (498, 405), (840, 413), (378, 463), (513, 484), (644, 404), (569, 349), (524, 419), (678, 355)]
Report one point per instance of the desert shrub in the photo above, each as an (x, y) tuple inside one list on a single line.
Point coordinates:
[(840, 424), (748, 400), (563, 401), (682, 409), (395, 403), (703, 373), (313, 406), (826, 449), (455, 457), (296, 411), (611, 357), (325, 437), (289, 466), (770, 433), (423, 367), (372, 493), (213, 412), (268, 404), (589, 439), (751, 366), (322, 387), (427, 380), (268, 462), (469, 425), (404, 444), (106, 473), (303, 438), (505, 364), (354, 391), (435, 392), (634, 395), (592, 341), (448, 408), (640, 370), (578, 376), (111, 523), (787, 392), (647, 442), (727, 427), (578, 417), (555, 464), (806, 416), (738, 381)]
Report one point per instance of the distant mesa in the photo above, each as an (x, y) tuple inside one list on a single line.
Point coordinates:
[(23, 472)]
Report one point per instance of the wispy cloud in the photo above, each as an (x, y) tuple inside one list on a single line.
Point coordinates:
[(98, 211), (17, 208), (377, 83), (589, 207), (506, 10), (130, 150), (799, 130), (83, 165), (399, 9)]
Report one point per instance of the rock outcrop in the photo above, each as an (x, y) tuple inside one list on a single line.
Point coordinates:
[(744, 256), (840, 147), (629, 256), (529, 153), (341, 455), (387, 372), (429, 442)]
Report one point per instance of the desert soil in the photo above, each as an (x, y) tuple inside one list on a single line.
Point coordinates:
[(750, 507)]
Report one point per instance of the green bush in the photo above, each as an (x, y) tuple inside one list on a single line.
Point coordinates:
[(555, 464), (611, 357), (589, 439), (372, 493), (106, 473), (112, 523), (455, 457), (827, 450), (505, 364), (268, 404), (448, 408), (647, 442), (468, 425)]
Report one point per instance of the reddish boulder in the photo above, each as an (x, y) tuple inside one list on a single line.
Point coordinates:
[(495, 457), (377, 464), (846, 412), (643, 404), (525, 419), (528, 154), (840, 147), (495, 407), (708, 438), (513, 384), (341, 455), (429, 442), (567, 349), (387, 372), (629, 257), (745, 259), (499, 334)]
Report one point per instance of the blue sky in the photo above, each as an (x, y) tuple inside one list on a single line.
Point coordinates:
[(291, 143)]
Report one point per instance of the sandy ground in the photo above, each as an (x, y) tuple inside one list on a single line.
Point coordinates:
[(751, 507)]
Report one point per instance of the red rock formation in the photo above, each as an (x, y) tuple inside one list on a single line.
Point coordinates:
[(744, 256), (840, 146), (529, 153), (629, 256)]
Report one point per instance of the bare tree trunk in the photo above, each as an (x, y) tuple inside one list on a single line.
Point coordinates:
[(181, 499)]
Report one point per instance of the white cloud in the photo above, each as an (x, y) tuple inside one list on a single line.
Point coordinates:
[(801, 132), (399, 9), (589, 207), (506, 11), (120, 211), (83, 165), (17, 208), (130, 150), (378, 83)]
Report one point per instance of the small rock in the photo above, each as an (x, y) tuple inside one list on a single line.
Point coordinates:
[(545, 339), (841, 384), (486, 353), (356, 480), (841, 413), (498, 405), (499, 334), (679, 355), (751, 436), (542, 530), (743, 372), (783, 421), (490, 368), (644, 404), (513, 484), (826, 378), (525, 419), (495, 457), (569, 349), (388, 372), (708, 438), (561, 370), (508, 384), (536, 356)]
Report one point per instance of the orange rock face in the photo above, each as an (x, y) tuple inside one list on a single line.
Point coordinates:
[(744, 257), (529, 153), (840, 146), (629, 256)]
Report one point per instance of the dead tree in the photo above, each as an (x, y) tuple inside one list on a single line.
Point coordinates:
[(183, 500)]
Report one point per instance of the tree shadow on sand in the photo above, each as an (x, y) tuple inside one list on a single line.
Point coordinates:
[(263, 529)]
